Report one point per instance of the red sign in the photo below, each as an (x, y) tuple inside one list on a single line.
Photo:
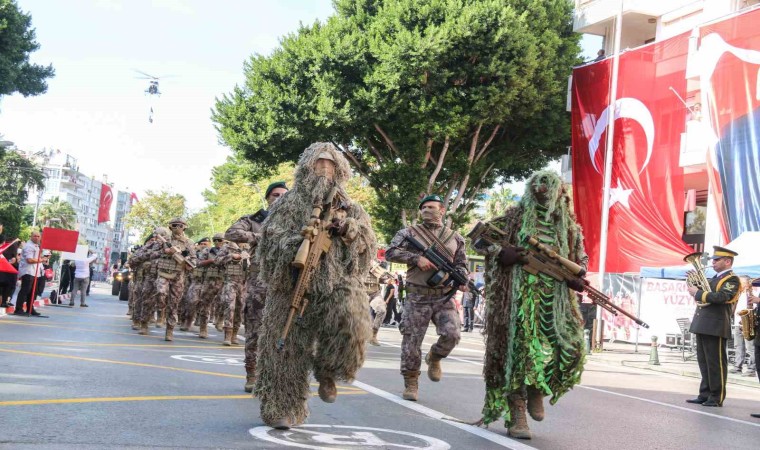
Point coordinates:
[(646, 192), (106, 198), (60, 240)]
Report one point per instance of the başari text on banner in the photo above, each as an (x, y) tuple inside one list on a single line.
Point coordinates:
[(728, 66), (106, 198), (646, 191)]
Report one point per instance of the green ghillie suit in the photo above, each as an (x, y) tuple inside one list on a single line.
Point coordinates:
[(534, 337), (330, 340)]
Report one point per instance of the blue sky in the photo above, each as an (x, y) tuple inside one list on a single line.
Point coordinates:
[(96, 109)]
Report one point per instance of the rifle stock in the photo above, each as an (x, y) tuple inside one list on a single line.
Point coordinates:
[(443, 267), (177, 255)]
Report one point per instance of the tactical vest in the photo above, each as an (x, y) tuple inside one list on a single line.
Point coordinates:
[(234, 270), (414, 275), (372, 285)]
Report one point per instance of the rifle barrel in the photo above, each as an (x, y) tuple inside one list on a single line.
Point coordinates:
[(602, 300)]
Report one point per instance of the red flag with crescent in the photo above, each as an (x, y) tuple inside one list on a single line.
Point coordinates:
[(106, 198), (646, 190)]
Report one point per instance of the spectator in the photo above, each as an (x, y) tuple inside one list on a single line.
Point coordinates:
[(30, 267), (89, 278), (8, 280), (82, 279), (43, 276), (742, 347), (468, 302), (66, 279), (390, 300), (599, 55)]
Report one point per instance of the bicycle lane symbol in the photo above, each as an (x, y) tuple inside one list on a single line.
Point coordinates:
[(346, 437)]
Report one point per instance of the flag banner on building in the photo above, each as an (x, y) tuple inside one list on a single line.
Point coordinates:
[(58, 239), (106, 198), (133, 198), (646, 190), (728, 66)]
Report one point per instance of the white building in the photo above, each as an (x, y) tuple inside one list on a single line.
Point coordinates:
[(63, 180), (120, 243)]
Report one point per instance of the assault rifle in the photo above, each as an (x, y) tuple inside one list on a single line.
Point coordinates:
[(540, 258), (177, 255), (446, 274), (316, 242)]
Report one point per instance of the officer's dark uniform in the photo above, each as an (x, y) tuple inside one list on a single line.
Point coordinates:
[(712, 326)]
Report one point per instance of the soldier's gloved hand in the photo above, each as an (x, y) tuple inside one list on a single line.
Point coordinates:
[(508, 256), (169, 251), (576, 284), (337, 228)]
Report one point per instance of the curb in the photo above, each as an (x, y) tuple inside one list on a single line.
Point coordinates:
[(749, 382)]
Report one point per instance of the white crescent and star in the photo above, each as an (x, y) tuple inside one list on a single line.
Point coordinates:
[(629, 108)]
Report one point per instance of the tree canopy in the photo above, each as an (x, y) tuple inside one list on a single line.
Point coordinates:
[(18, 175), (17, 41), (58, 209), (156, 209), (423, 96)]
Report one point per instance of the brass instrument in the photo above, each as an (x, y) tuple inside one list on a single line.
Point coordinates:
[(748, 316), (696, 278)]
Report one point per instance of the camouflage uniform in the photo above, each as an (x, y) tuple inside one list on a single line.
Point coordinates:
[(193, 291), (142, 267), (169, 284), (210, 288), (425, 303), (232, 290), (247, 230)]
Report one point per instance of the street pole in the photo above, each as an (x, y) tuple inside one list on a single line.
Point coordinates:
[(608, 156)]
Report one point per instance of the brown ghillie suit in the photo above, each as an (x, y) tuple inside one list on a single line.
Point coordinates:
[(331, 339)]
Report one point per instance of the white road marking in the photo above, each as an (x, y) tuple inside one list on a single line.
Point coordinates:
[(358, 439), (433, 414), (681, 408)]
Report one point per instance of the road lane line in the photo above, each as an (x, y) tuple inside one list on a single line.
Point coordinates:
[(93, 344), (681, 408), (433, 414), (11, 322)]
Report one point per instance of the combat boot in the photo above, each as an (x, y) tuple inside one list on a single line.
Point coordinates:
[(143, 328), (410, 385), (234, 340), (129, 311), (161, 320), (282, 423), (188, 325), (169, 336), (250, 377), (434, 366), (218, 324), (518, 426), (227, 336), (535, 404), (135, 325), (327, 390), (203, 333), (374, 340)]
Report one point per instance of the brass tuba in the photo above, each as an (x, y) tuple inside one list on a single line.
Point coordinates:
[(748, 316), (696, 278)]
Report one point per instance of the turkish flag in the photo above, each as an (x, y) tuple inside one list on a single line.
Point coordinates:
[(647, 195), (6, 266), (728, 61), (106, 198), (133, 198), (60, 240)]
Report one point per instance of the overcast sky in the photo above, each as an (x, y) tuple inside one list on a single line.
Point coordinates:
[(96, 108)]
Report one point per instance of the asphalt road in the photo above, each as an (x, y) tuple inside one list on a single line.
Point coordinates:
[(82, 379)]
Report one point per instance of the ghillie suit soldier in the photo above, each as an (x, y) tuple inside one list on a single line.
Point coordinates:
[(247, 230), (193, 291), (427, 299), (211, 286), (330, 337), (234, 261), (376, 279), (534, 335), (175, 258)]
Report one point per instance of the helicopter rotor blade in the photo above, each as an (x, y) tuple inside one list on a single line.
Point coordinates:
[(146, 74)]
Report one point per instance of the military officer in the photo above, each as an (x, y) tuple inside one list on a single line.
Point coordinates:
[(712, 326), (426, 302)]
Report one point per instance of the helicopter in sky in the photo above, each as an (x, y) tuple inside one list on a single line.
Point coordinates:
[(153, 83)]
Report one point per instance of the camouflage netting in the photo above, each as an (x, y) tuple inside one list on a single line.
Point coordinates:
[(331, 340), (534, 336)]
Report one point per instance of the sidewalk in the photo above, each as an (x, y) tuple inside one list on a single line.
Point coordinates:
[(671, 361)]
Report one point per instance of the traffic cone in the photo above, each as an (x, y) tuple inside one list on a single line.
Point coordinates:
[(654, 358)]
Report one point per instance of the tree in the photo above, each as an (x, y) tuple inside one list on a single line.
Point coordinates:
[(58, 209), (17, 176), (423, 96), (17, 41), (156, 209), (498, 201)]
